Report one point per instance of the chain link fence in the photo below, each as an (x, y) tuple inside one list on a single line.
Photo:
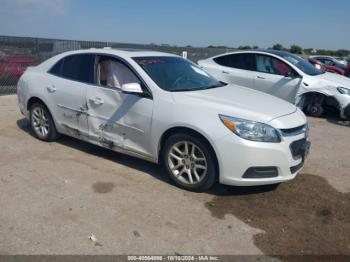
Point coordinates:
[(17, 53)]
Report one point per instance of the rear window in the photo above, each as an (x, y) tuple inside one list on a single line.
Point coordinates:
[(240, 61), (57, 68), (76, 67)]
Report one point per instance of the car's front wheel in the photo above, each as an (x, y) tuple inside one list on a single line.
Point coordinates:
[(42, 123), (190, 162), (316, 110)]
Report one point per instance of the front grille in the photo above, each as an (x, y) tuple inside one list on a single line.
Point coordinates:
[(297, 148), (295, 130)]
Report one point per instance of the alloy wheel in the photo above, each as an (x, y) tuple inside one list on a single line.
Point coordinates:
[(187, 162), (40, 121)]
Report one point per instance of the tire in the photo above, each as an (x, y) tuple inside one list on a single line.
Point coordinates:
[(316, 110), (186, 167), (42, 123)]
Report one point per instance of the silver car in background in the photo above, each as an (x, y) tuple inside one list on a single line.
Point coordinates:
[(165, 109)]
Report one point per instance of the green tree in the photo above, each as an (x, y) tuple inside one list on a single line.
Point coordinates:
[(308, 50), (245, 47), (342, 53), (295, 49), (277, 47)]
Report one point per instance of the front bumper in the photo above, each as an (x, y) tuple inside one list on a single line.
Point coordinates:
[(344, 105), (346, 112), (237, 157)]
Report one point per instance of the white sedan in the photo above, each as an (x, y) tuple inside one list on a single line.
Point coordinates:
[(284, 75), (165, 109)]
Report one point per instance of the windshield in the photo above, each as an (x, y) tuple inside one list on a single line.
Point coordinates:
[(302, 64), (176, 74)]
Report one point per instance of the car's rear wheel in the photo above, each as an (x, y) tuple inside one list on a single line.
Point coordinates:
[(190, 162), (42, 123)]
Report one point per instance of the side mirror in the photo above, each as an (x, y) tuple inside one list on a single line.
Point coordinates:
[(132, 88)]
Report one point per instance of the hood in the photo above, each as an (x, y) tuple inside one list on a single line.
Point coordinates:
[(335, 80), (237, 101)]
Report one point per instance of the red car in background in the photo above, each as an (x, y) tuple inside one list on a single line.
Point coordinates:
[(13, 66), (331, 64), (328, 68)]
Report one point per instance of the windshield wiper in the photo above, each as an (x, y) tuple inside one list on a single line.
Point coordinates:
[(216, 85), (220, 84)]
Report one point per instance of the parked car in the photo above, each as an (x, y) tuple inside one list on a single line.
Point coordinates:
[(165, 109), (341, 60), (284, 75), (328, 68), (331, 61), (13, 66)]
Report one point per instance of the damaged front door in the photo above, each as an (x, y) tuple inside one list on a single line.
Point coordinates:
[(275, 77), (117, 120)]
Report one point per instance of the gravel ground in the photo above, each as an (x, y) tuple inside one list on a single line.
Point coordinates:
[(54, 196)]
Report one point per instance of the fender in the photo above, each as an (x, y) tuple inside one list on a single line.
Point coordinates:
[(157, 147), (40, 97), (300, 95)]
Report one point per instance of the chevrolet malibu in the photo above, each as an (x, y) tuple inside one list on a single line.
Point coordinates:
[(286, 76), (165, 109)]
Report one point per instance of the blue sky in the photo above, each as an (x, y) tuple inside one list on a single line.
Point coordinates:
[(309, 23)]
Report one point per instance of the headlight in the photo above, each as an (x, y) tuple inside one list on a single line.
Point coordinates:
[(251, 130), (343, 90)]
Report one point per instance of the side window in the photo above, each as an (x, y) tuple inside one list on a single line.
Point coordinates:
[(113, 73), (243, 61), (329, 62), (271, 65), (223, 60), (57, 68), (79, 68), (320, 60)]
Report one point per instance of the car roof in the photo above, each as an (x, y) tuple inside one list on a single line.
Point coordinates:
[(258, 51), (123, 52), (276, 52), (322, 56)]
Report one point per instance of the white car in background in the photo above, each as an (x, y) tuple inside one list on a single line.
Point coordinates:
[(341, 60), (284, 75), (165, 109)]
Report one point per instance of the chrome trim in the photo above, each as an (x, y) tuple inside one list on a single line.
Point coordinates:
[(73, 109), (304, 129)]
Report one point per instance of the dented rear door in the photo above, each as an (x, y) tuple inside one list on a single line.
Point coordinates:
[(66, 88)]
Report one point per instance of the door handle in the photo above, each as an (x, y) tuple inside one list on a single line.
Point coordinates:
[(260, 77), (51, 89), (97, 101), (225, 72)]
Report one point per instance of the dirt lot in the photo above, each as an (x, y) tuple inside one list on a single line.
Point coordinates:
[(55, 195)]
